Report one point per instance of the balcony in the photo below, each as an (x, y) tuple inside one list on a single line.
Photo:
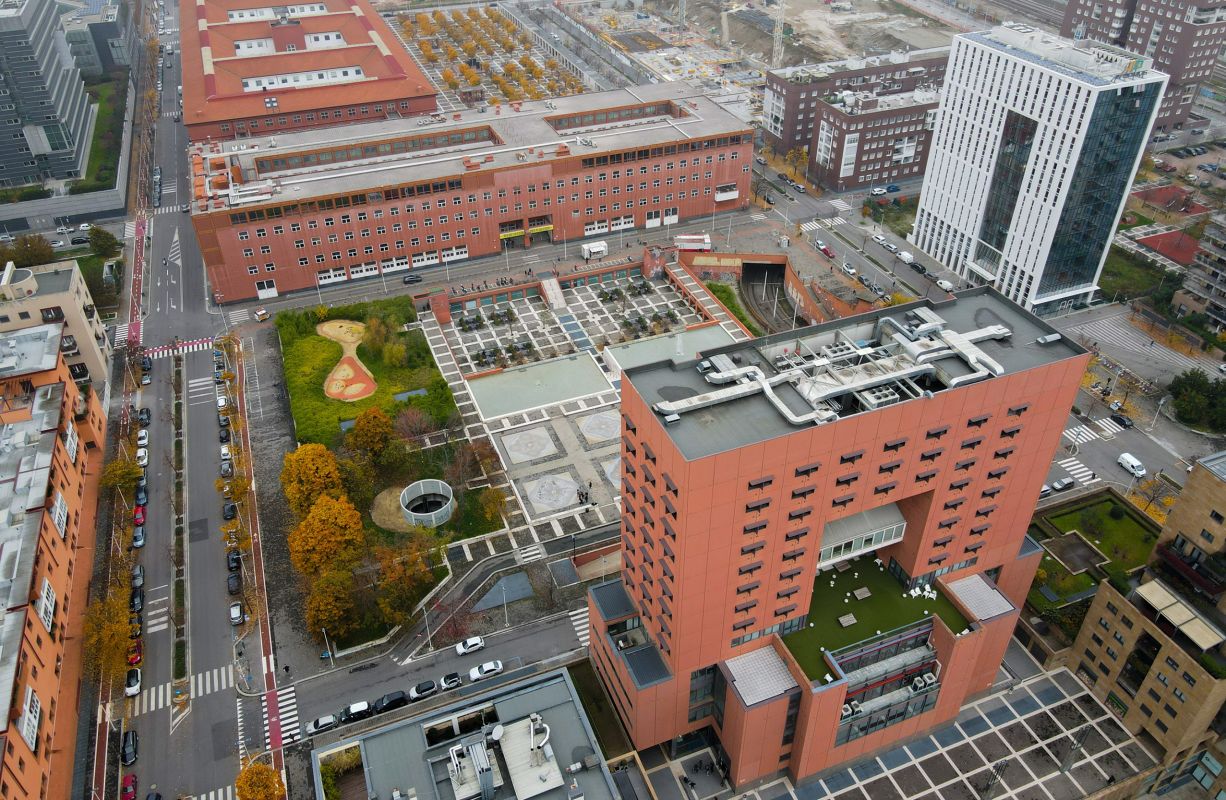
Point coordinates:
[(79, 372), (1202, 575), (68, 345)]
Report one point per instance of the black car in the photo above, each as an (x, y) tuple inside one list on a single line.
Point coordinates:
[(144, 417), (136, 601), (234, 583), (223, 420), (1121, 420), (224, 435), (127, 753), (234, 562), (412, 279), (146, 363), (229, 511), (391, 701), (79, 240)]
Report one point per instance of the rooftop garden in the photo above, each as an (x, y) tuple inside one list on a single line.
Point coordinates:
[(887, 608)]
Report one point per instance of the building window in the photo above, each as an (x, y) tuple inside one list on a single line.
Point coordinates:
[(937, 433), (851, 458), (808, 469)]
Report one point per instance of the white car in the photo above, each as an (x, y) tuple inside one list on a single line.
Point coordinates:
[(324, 723), (63, 229), (58, 243), (470, 645), (877, 191), (131, 686), (848, 269), (142, 457), (7, 238), (879, 239), (945, 285), (486, 670), (222, 402), (236, 614), (226, 455), (142, 438), (85, 226)]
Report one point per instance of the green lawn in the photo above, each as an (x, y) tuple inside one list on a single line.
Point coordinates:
[(726, 295), (888, 608), (1127, 275), (1137, 220), (1125, 540), (104, 150), (1059, 580), (600, 712)]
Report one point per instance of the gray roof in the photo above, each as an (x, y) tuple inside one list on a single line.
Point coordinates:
[(1215, 463), (845, 529), (29, 350), (520, 138), (612, 601), (1086, 61), (760, 675), (981, 598), (398, 755), (1005, 334)]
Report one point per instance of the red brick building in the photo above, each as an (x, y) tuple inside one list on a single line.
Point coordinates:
[(824, 531), (249, 71), (312, 208)]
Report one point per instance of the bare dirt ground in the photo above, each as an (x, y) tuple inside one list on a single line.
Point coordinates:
[(823, 34)]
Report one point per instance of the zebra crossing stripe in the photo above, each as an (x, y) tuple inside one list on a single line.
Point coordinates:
[(840, 205), (1081, 434), (213, 680), (287, 706), (1080, 472), (810, 226), (757, 217), (530, 553), (579, 620), (224, 793), (1109, 425), (242, 315)]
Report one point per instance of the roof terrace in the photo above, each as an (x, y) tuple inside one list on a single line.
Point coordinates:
[(886, 606)]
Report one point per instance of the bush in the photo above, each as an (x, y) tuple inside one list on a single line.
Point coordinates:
[(1117, 512), (727, 296), (1199, 400)]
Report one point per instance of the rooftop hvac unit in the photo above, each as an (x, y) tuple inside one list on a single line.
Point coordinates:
[(855, 706), (917, 685), (846, 711), (929, 679), (878, 396)]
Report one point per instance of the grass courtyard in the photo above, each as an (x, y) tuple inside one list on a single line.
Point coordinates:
[(309, 357), (1127, 275), (1124, 540), (887, 608)]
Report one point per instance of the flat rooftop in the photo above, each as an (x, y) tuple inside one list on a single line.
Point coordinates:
[(291, 167), (414, 756), (1084, 60), (774, 386), (807, 73), (1216, 463), (872, 103), (29, 350), (243, 61), (887, 607), (27, 442)]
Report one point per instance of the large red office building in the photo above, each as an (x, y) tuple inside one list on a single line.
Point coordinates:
[(307, 209), (250, 70), (824, 531)]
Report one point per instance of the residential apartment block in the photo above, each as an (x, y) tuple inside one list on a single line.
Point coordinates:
[(1037, 141), (51, 446), (1183, 37), (313, 208), (790, 115), (46, 108), (865, 139), (56, 293), (1156, 654), (1204, 282), (824, 531), (251, 70)]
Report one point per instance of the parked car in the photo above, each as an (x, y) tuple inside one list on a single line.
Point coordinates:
[(876, 191), (893, 248), (355, 712), (223, 420), (800, 187), (759, 159), (391, 701), (848, 269), (893, 187), (142, 438), (138, 537), (1121, 420), (825, 248), (1062, 484), (945, 285), (451, 680), (486, 670), (234, 561), (261, 314), (223, 436), (142, 495), (324, 723), (469, 645), (229, 511), (412, 279), (236, 614), (146, 363), (138, 576), (234, 583), (131, 686), (136, 653), (128, 750), (142, 457), (918, 267), (136, 601), (864, 280), (423, 690), (127, 789), (227, 469), (144, 417), (222, 402), (138, 515), (226, 455), (879, 239), (1045, 491)]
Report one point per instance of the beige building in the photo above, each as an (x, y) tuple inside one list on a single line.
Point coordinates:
[(1157, 656), (56, 293)]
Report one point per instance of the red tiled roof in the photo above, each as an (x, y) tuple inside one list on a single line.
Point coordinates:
[(213, 73), (1175, 245)]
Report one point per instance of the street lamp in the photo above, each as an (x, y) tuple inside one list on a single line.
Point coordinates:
[(1158, 411)]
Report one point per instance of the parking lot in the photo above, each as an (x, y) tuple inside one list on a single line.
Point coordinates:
[(1195, 165)]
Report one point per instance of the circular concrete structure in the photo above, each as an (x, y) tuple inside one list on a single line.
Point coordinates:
[(429, 503)]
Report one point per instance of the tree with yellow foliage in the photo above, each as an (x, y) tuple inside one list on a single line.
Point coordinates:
[(330, 605), (258, 781), (308, 473), (329, 537)]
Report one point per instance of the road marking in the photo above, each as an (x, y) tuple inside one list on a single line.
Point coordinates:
[(1116, 330), (212, 680), (811, 226), (834, 222), (194, 346), (224, 793), (156, 619), (129, 229), (1109, 425), (242, 315), (1080, 472), (840, 205), (579, 620), (530, 553), (1080, 434), (152, 699), (287, 712), (757, 217)]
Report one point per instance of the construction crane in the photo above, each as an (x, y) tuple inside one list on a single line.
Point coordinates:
[(777, 45)]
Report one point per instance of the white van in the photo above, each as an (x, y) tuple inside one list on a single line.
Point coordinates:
[(594, 249), (945, 285), (1130, 462)]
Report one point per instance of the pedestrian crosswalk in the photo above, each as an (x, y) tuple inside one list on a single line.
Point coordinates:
[(194, 346), (1080, 434), (1079, 472), (152, 699), (578, 619), (840, 205), (1116, 331), (287, 712), (157, 615), (530, 553), (170, 209), (239, 316), (121, 334), (757, 217), (1109, 425), (809, 227), (834, 222), (212, 680), (224, 793), (201, 390), (129, 229)]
